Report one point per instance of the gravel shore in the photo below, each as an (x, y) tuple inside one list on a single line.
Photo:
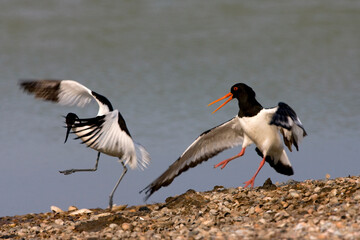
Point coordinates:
[(313, 209)]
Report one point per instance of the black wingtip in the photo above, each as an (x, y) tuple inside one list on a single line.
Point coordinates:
[(25, 84), (149, 190)]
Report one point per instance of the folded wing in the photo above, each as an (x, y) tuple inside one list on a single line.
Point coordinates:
[(207, 145), (289, 124)]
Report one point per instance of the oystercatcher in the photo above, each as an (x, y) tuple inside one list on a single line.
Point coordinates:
[(106, 133), (253, 124)]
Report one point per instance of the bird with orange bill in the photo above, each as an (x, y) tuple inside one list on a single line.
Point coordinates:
[(253, 124)]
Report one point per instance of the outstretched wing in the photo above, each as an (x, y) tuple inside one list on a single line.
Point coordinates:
[(65, 92), (207, 145), (290, 125), (107, 134)]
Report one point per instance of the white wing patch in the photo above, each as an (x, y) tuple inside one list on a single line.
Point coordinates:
[(217, 139), (102, 133), (73, 93), (106, 136), (207, 145)]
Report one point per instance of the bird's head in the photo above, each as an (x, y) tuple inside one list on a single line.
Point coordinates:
[(240, 91)]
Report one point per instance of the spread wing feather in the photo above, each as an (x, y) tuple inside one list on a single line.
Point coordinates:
[(65, 92), (207, 145), (103, 134)]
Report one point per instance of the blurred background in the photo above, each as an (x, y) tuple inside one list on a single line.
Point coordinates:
[(160, 63)]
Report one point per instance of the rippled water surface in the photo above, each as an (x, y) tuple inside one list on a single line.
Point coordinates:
[(160, 63)]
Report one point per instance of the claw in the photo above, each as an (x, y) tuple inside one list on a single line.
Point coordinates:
[(226, 161), (67, 172), (251, 181)]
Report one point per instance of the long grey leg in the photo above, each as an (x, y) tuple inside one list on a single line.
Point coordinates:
[(70, 171), (117, 184)]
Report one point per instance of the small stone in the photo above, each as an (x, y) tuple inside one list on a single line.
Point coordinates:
[(357, 195), (125, 226), (22, 232), (80, 211), (339, 225), (299, 227), (333, 192), (59, 222), (322, 236), (294, 194), (258, 209), (56, 209), (314, 197), (213, 212), (310, 211), (262, 221), (35, 229), (285, 204), (251, 210), (72, 208), (334, 200), (208, 223), (232, 190), (113, 225), (119, 208)]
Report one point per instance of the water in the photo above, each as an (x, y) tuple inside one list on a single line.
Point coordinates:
[(160, 63)]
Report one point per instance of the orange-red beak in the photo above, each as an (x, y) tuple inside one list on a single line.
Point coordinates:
[(229, 96)]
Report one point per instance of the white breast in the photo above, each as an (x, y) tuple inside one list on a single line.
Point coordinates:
[(257, 129)]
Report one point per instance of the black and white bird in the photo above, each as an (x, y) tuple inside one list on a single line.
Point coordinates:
[(106, 133), (253, 124)]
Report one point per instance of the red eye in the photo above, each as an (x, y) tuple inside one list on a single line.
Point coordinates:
[(236, 88)]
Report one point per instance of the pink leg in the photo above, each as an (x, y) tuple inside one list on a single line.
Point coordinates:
[(252, 180), (225, 162)]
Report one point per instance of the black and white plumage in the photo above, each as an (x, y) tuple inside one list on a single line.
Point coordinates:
[(106, 133), (253, 124)]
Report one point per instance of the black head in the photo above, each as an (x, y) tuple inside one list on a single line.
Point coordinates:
[(246, 98), (242, 92)]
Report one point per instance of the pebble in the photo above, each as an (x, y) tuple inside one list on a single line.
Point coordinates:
[(72, 208), (80, 211), (119, 208), (125, 226), (314, 197), (294, 194), (113, 225), (59, 222), (313, 209), (56, 209)]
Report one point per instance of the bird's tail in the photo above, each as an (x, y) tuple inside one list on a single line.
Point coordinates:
[(281, 163), (142, 158)]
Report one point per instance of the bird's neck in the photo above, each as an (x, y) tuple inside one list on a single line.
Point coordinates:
[(249, 108)]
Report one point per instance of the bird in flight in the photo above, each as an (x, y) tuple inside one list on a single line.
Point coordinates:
[(106, 133), (253, 124)]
